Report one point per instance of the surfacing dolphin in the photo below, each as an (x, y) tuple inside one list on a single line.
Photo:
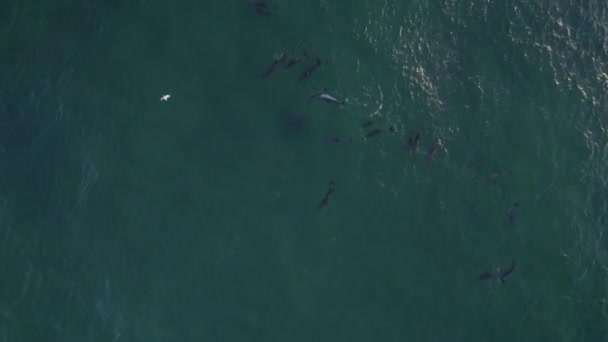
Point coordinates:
[(324, 96)]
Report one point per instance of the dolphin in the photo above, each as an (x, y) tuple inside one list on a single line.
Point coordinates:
[(323, 96), (490, 275), (373, 132), (507, 273), (337, 140), (277, 60), (367, 124), (413, 142), (496, 275), (497, 175), (431, 152), (262, 7), (292, 61), (325, 199), (511, 216), (310, 70), (262, 11), (318, 93), (330, 99), (377, 131), (258, 3)]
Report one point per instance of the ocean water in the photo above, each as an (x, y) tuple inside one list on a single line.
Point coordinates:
[(125, 218)]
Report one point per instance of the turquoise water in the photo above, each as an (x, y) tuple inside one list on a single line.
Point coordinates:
[(124, 218)]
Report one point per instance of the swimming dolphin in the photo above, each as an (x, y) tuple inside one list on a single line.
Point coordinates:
[(337, 140), (291, 62), (373, 132), (507, 273), (497, 175), (490, 275), (323, 96), (325, 199), (377, 131), (277, 60), (262, 7), (263, 11), (495, 274), (511, 216), (310, 70), (316, 94), (431, 153), (413, 142), (330, 99), (258, 3)]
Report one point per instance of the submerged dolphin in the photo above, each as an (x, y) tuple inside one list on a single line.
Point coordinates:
[(373, 132), (507, 273), (337, 140), (325, 199), (262, 7), (367, 124), (413, 142), (496, 275), (258, 3), (511, 215), (278, 59), (431, 152), (310, 70), (498, 174), (490, 275), (291, 62)]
